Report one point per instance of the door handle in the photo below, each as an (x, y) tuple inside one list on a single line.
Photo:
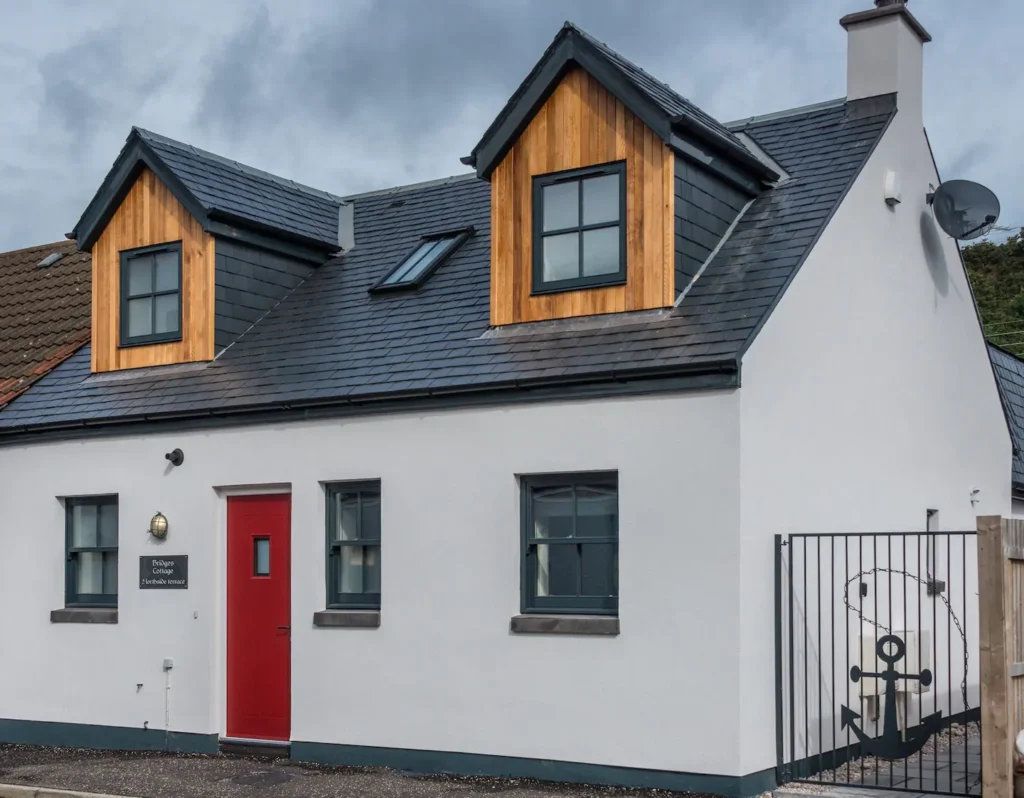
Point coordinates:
[(284, 627)]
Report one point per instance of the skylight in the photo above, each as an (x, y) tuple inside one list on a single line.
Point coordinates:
[(430, 253)]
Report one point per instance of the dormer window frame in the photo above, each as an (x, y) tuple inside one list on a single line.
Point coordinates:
[(125, 256), (578, 176)]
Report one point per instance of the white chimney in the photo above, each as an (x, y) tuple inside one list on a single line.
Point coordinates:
[(346, 226), (885, 54)]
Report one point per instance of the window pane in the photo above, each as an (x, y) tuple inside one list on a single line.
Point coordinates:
[(599, 569), (601, 199), (109, 573), (561, 257), (166, 313), (552, 512), (167, 271), (561, 205), (601, 251), (140, 317), (261, 557), (418, 261), (107, 524), (370, 529), (596, 512), (83, 526), (140, 275), (557, 568), (90, 573), (359, 569), (347, 513)]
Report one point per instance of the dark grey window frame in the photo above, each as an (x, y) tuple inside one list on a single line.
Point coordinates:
[(336, 600), (530, 603), (458, 236), (539, 286), (155, 338), (71, 597)]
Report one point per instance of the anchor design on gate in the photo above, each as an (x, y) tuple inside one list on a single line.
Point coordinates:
[(891, 744)]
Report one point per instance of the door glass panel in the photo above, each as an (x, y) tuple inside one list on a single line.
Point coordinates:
[(140, 275), (83, 526), (561, 257), (140, 317), (261, 557), (166, 313), (601, 251), (167, 271), (601, 199), (561, 205)]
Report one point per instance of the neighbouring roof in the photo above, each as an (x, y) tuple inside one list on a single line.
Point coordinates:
[(214, 188), (332, 344), (660, 107), (1009, 371), (44, 312)]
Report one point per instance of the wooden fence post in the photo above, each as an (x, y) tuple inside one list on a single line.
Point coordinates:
[(994, 637)]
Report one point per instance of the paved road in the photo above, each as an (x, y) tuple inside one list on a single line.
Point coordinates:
[(149, 775)]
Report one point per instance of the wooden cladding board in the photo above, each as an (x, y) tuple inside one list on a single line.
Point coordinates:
[(580, 125), (151, 215)]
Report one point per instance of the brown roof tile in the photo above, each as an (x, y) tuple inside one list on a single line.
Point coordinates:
[(44, 312)]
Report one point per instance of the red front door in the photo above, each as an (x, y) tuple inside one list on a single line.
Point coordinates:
[(259, 617)]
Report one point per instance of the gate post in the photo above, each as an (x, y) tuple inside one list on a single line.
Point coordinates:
[(995, 615)]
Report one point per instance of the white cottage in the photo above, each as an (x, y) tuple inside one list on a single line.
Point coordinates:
[(482, 475)]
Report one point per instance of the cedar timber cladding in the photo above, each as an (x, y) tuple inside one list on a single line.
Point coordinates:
[(581, 124), (149, 215)]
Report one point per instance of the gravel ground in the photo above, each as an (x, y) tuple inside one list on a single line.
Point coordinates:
[(157, 775)]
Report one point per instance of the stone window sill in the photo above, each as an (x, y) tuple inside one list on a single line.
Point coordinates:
[(351, 619), (84, 615), (565, 624)]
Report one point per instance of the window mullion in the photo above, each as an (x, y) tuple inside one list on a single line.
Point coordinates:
[(152, 295), (579, 228)]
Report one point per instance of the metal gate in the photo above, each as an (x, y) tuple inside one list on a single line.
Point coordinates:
[(877, 660)]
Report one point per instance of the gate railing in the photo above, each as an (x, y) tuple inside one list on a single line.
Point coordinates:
[(1001, 615)]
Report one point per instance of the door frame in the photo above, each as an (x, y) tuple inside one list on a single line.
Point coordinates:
[(219, 662)]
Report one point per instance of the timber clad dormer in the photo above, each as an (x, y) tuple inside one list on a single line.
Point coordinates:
[(608, 190), (190, 250)]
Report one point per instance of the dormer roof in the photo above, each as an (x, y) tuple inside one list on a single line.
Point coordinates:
[(218, 192), (656, 104)]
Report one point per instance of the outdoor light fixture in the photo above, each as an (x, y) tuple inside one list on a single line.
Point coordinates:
[(177, 457), (158, 526)]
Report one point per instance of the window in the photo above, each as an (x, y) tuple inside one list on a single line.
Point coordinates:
[(91, 576), (151, 294), (571, 543), (579, 222), (261, 556), (418, 265), (353, 545)]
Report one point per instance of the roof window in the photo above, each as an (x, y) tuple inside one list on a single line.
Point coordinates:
[(418, 265)]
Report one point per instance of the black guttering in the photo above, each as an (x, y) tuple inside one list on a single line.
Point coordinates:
[(719, 375), (135, 155), (854, 108), (570, 47)]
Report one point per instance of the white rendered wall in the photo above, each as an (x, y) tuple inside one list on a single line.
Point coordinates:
[(443, 671), (867, 399)]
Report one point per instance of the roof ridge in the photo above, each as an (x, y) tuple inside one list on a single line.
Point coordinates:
[(285, 182), (786, 114), (438, 181), (64, 243)]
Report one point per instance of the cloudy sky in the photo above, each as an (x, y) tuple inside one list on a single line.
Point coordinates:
[(351, 95)]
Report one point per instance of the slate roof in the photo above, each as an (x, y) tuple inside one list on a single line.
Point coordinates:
[(331, 342), (221, 188), (1009, 371), (44, 312)]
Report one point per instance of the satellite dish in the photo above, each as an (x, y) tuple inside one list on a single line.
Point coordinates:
[(964, 209)]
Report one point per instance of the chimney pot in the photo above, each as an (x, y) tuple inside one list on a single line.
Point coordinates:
[(884, 3)]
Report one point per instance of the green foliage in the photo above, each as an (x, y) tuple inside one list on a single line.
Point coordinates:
[(997, 277)]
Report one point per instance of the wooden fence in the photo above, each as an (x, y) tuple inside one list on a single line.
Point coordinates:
[(1001, 609)]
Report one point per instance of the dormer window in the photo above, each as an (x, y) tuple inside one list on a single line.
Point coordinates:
[(579, 219), (151, 294)]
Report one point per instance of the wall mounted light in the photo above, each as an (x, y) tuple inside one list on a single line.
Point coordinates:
[(177, 457), (158, 526)]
